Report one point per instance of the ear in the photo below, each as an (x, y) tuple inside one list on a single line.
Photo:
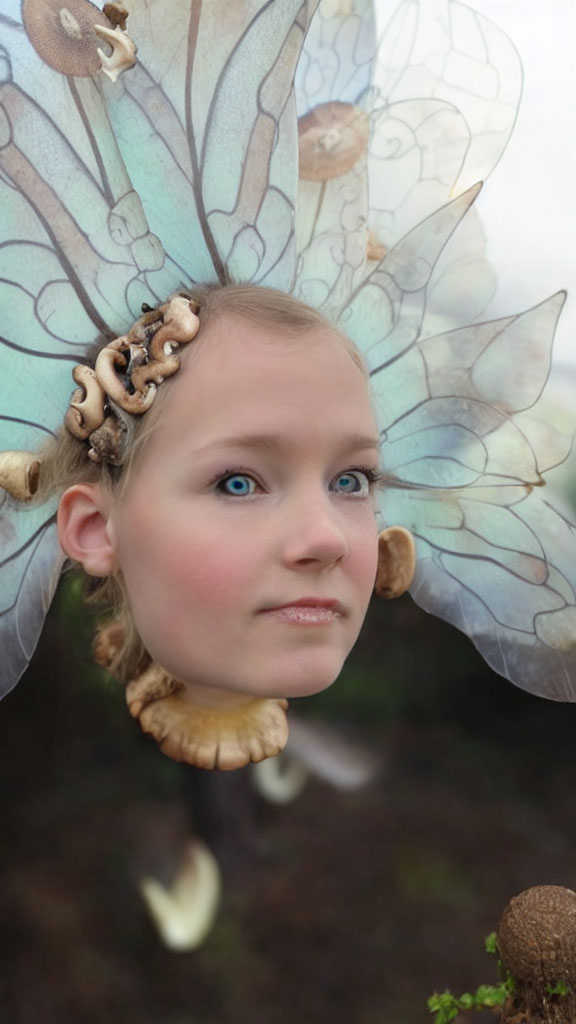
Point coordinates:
[(84, 529), (396, 562)]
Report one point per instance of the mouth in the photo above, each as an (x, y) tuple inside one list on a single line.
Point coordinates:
[(307, 611)]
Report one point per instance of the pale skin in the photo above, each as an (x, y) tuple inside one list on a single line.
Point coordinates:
[(254, 494)]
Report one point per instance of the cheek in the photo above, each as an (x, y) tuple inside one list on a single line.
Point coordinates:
[(364, 561), (188, 566)]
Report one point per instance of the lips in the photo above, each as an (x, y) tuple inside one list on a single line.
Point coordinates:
[(331, 604), (306, 611)]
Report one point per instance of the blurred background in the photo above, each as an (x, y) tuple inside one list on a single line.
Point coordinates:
[(351, 902), (343, 905)]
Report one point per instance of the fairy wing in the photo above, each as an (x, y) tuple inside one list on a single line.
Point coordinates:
[(465, 453), (439, 86), (210, 103), (464, 450), (65, 278), (89, 229), (464, 446)]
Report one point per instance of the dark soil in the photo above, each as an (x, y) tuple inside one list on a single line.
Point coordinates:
[(338, 908)]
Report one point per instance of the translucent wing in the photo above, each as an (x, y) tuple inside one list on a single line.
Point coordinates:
[(464, 450), (74, 249), (188, 144), (439, 87), (213, 110)]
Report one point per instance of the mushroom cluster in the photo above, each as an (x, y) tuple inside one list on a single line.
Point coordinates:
[(126, 376)]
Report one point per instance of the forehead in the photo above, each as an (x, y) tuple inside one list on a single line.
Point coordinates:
[(231, 351), (246, 378)]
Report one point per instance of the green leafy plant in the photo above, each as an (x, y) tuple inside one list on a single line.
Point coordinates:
[(560, 989), (447, 1006)]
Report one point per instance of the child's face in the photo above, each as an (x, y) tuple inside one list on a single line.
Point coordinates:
[(250, 497)]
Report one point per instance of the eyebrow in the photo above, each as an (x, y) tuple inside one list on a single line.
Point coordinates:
[(267, 441)]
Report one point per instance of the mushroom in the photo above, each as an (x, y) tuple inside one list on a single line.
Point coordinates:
[(180, 326), (396, 562), (117, 14), (152, 684), (63, 33), (123, 54), (332, 137), (108, 360), (108, 442), (536, 941), (20, 474), (107, 643), (86, 412), (213, 737)]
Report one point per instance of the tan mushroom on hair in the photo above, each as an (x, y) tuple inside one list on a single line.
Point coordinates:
[(63, 33), (108, 442), (331, 138), (108, 361), (180, 326), (86, 411), (20, 474)]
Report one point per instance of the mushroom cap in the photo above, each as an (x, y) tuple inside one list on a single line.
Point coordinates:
[(332, 137), (206, 737), (20, 474), (62, 33), (537, 936), (396, 562)]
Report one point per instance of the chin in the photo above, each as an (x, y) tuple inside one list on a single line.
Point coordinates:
[(296, 681)]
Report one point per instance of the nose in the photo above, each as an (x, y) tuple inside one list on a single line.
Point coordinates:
[(315, 533)]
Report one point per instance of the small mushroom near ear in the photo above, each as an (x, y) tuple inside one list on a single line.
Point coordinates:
[(108, 442), (108, 642), (20, 474), (332, 137), (396, 562)]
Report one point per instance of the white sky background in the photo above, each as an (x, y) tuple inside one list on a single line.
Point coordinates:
[(528, 205)]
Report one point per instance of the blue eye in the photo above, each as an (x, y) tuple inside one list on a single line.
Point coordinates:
[(356, 482), (237, 484)]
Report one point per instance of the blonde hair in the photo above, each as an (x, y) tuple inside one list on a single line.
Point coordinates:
[(65, 460)]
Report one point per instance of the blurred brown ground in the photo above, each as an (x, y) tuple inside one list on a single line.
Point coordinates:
[(339, 908)]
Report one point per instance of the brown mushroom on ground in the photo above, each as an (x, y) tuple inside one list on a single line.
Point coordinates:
[(537, 944), (63, 33), (331, 138)]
